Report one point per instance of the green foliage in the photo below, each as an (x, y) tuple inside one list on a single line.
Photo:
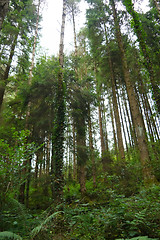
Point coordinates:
[(15, 218), (139, 238), (13, 154), (44, 224), (43, 192), (9, 235), (136, 217)]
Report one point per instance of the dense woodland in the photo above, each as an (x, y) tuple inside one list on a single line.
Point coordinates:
[(80, 133)]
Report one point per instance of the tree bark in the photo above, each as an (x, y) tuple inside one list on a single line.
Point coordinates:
[(74, 153), (57, 178), (4, 4), (92, 153), (3, 82), (115, 104), (81, 151), (113, 126), (142, 42), (34, 44), (137, 117), (116, 114)]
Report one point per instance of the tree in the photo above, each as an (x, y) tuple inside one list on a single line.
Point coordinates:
[(58, 131), (138, 28), (15, 34), (4, 4), (136, 115)]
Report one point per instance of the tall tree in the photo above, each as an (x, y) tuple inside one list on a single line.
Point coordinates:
[(141, 35), (136, 115), (16, 34), (58, 131)]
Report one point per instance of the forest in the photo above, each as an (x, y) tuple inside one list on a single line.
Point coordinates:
[(80, 132)]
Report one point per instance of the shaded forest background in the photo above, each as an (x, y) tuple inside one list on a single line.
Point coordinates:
[(79, 134)]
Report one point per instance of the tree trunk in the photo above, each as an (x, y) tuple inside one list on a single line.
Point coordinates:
[(48, 156), (74, 153), (81, 151), (58, 131), (74, 31), (142, 42), (137, 117), (34, 44), (28, 109), (113, 126), (28, 182), (3, 82), (105, 126), (92, 153), (115, 105), (116, 113), (4, 4)]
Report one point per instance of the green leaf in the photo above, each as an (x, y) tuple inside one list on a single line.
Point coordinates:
[(9, 235)]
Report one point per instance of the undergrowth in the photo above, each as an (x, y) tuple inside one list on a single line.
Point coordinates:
[(117, 217)]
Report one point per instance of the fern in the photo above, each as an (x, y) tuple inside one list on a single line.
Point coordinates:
[(139, 238), (39, 228), (9, 235)]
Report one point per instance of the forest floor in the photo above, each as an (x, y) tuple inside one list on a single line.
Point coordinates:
[(98, 215)]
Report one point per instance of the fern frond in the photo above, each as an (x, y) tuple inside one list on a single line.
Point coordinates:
[(139, 238), (9, 235), (51, 217), (37, 229)]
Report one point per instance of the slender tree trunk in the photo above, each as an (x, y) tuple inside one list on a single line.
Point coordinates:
[(122, 120), (74, 31), (137, 117), (58, 131), (36, 169), (103, 148), (3, 82), (101, 130), (132, 128), (28, 182), (33, 58), (126, 123), (81, 151), (105, 126), (29, 107), (48, 155), (115, 105), (116, 114), (92, 153), (34, 44), (142, 42), (113, 126), (4, 4), (74, 153)]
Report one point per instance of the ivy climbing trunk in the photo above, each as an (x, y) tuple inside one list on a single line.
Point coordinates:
[(58, 129)]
